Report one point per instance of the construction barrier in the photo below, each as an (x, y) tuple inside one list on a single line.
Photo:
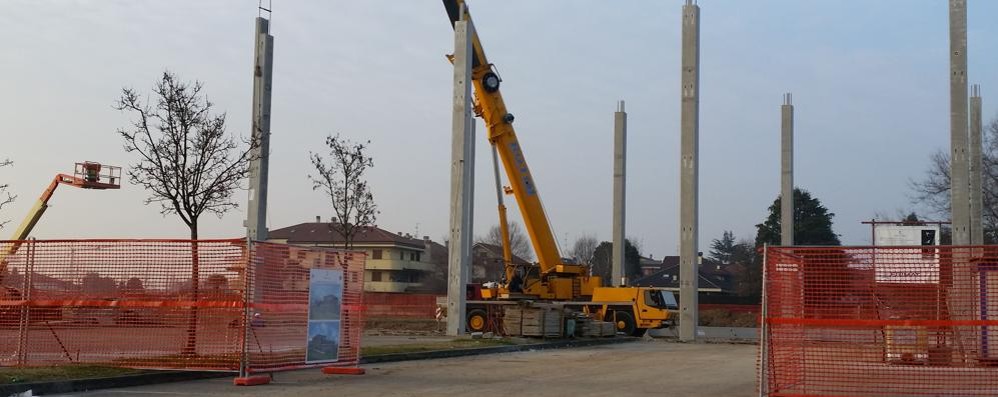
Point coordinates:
[(172, 304), (289, 329), (400, 305), (880, 321)]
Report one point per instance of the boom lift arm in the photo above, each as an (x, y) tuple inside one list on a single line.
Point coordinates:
[(88, 175)]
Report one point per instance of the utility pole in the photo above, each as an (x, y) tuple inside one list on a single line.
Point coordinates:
[(459, 248), (263, 73), (619, 190), (959, 164), (787, 171), (689, 184), (976, 210)]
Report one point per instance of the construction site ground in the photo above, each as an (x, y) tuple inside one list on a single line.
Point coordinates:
[(645, 367)]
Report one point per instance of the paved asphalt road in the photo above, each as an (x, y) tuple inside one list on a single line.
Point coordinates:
[(647, 367)]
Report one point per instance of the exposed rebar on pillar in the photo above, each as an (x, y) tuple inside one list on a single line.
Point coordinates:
[(689, 167), (976, 189), (263, 72), (619, 191), (462, 157), (787, 171)]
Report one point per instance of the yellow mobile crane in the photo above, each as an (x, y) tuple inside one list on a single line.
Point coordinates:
[(634, 310)]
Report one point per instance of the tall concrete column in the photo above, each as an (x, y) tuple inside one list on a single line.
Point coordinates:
[(976, 209), (787, 171), (469, 192), (959, 164), (263, 68), (459, 252), (619, 190), (689, 179)]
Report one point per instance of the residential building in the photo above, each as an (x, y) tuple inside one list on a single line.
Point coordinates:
[(715, 279), (487, 262), (395, 261)]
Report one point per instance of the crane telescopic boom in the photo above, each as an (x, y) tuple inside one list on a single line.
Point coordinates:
[(499, 122)]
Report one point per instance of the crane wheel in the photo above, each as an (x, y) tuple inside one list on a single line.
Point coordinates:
[(477, 320), (624, 321)]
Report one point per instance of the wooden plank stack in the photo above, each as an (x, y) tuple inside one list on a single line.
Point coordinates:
[(548, 322), (596, 328), (512, 321)]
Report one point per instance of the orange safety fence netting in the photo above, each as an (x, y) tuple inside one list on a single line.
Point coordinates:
[(400, 305), (282, 325), (880, 321), (167, 304)]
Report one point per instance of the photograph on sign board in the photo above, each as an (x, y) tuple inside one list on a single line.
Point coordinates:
[(323, 341), (324, 300), (325, 297)]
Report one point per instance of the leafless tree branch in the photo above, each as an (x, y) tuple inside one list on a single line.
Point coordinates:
[(341, 179), (185, 158), (5, 196), (933, 190), (519, 244)]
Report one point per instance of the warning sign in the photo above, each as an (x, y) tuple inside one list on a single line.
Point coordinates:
[(915, 260)]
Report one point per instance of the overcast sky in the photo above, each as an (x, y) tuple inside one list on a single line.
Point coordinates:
[(870, 81)]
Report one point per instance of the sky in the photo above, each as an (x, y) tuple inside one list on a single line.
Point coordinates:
[(870, 82)]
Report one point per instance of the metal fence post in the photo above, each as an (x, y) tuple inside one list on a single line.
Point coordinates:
[(763, 328), (247, 299), (25, 319)]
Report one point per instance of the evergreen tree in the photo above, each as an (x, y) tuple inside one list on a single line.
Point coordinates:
[(812, 223), (722, 250)]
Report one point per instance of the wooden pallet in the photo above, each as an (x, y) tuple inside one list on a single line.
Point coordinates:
[(548, 322)]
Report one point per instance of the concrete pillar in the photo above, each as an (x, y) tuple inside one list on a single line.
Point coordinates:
[(263, 72), (959, 164), (619, 190), (459, 253), (976, 209), (689, 179), (787, 171), (469, 193), (961, 298)]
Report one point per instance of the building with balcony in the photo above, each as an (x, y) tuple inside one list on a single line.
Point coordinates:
[(395, 262)]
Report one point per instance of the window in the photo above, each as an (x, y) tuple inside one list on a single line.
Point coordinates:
[(401, 255), (417, 257), (375, 275), (376, 254)]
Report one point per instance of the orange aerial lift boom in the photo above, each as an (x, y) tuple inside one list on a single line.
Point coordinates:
[(87, 175)]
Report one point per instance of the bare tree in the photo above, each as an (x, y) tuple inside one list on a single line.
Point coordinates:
[(186, 161), (3, 192), (584, 248), (933, 190), (341, 178), (519, 244)]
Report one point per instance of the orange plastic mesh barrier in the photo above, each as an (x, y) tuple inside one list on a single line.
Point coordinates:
[(283, 333), (168, 304), (400, 305), (880, 321), (128, 303)]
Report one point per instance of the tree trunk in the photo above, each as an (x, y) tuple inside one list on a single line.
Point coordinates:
[(190, 349)]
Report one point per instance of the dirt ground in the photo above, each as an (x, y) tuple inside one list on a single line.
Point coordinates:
[(646, 367)]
